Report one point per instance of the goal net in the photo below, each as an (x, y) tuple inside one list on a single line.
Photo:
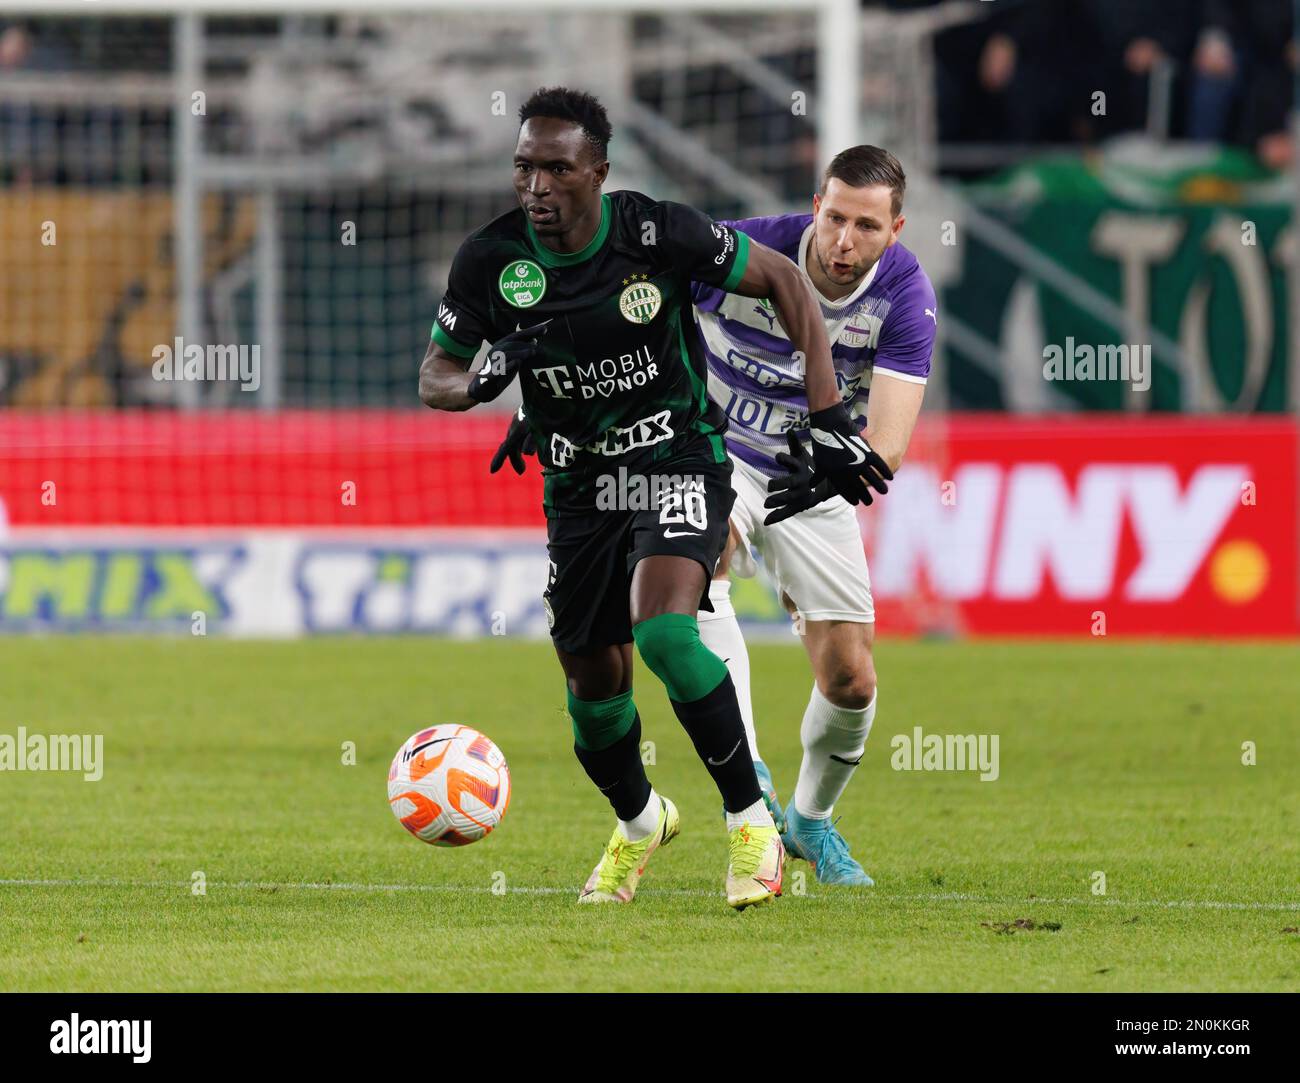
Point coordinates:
[(226, 234)]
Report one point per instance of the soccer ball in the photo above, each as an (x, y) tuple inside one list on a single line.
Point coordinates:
[(449, 785)]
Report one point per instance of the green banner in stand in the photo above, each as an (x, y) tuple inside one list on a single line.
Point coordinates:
[(1197, 245)]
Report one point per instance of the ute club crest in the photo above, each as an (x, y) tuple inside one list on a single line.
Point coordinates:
[(640, 302)]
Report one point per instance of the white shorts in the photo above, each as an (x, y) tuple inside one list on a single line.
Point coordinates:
[(816, 557)]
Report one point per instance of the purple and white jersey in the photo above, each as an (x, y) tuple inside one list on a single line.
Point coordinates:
[(887, 324)]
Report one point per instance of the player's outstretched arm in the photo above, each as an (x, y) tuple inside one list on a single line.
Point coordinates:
[(446, 383), (840, 454), (770, 274), (444, 380), (891, 416)]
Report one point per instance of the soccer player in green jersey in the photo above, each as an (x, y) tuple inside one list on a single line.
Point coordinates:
[(586, 297)]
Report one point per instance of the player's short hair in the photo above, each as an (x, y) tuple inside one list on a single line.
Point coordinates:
[(860, 167), (583, 109)]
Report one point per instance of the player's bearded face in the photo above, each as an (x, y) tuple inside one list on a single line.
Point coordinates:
[(557, 178), (853, 228)]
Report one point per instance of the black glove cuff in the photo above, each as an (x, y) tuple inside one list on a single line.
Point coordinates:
[(476, 385), (833, 418)]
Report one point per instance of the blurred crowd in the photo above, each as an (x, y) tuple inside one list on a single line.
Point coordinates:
[(1027, 71), (1011, 72)]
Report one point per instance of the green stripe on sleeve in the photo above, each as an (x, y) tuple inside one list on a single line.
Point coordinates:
[(738, 264), (702, 398), (456, 349)]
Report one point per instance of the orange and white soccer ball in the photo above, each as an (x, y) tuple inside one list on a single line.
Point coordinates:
[(449, 785)]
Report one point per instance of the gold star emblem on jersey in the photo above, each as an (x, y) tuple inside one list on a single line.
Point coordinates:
[(640, 302)]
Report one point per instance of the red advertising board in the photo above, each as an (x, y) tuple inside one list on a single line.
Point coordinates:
[(1066, 525), (1166, 525), (406, 468)]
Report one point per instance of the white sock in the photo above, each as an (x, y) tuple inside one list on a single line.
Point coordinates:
[(720, 632), (644, 823), (756, 816), (829, 731)]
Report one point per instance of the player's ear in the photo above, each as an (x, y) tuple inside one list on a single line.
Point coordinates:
[(897, 228), (601, 171), (817, 203)]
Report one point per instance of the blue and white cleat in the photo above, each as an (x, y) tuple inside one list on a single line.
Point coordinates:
[(823, 847), (768, 787)]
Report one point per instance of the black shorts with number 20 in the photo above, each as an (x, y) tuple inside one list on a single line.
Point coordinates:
[(593, 555)]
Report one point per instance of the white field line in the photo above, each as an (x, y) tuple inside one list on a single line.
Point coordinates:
[(866, 896)]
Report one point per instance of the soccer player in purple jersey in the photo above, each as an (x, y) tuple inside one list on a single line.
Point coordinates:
[(881, 317)]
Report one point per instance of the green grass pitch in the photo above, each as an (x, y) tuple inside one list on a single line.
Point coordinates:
[(225, 758)]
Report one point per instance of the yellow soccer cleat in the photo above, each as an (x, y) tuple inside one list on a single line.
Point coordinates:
[(757, 859), (616, 877)]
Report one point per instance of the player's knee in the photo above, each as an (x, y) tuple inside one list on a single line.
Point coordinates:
[(597, 687), (672, 650), (851, 685), (660, 642), (597, 675)]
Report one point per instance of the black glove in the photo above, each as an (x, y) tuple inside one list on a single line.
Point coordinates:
[(800, 488), (845, 458), (518, 443), (505, 356)]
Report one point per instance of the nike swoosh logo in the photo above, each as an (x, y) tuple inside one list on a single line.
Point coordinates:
[(681, 533), (718, 763), (847, 763), (835, 440), (859, 456), (428, 744)]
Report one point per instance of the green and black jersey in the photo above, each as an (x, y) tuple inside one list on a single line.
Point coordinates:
[(623, 379)]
